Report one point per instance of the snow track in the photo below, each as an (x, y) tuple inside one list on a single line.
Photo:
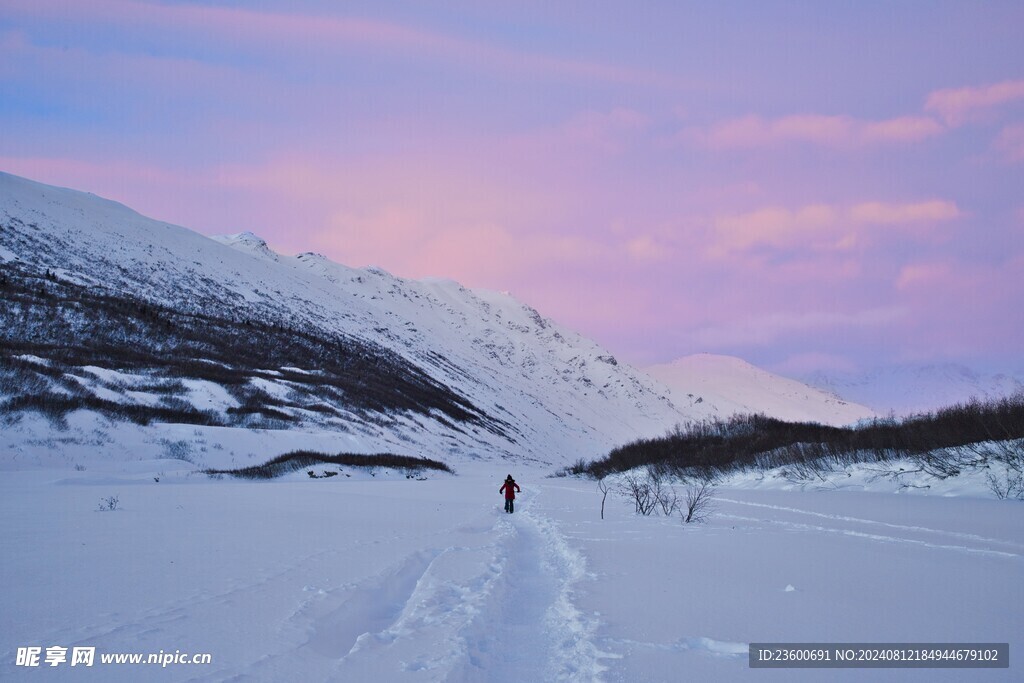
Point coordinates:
[(798, 519), (498, 611), (530, 628)]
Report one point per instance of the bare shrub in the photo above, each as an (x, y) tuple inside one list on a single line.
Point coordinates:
[(698, 503), (1005, 482), (602, 486), (297, 460), (638, 489), (177, 450), (109, 504), (1010, 454), (662, 490)]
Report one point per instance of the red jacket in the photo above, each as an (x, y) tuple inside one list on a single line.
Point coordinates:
[(510, 488)]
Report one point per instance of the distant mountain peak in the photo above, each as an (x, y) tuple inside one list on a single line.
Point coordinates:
[(248, 242), (724, 385)]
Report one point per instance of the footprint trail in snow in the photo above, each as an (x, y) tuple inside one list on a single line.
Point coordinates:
[(498, 611)]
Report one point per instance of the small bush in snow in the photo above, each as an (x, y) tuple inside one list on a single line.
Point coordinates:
[(655, 491), (1006, 482), (109, 503), (698, 502), (638, 489), (602, 486), (177, 450)]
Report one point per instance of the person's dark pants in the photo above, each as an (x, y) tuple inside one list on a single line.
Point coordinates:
[(509, 505)]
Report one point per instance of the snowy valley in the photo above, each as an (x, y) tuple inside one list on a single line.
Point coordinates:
[(137, 354)]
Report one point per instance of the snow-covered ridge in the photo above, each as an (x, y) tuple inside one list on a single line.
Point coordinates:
[(248, 242), (725, 385), (533, 389), (561, 396)]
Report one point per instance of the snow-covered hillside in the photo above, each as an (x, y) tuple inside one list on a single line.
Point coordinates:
[(907, 389), (418, 367), (720, 386)]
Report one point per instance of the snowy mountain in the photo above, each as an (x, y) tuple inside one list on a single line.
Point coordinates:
[(719, 386), (132, 317), (907, 389), (181, 339)]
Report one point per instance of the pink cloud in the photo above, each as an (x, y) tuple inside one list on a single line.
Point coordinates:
[(824, 227), (881, 213), (922, 275), (813, 129), (900, 129), (772, 226), (963, 306), (420, 214), (959, 105), (646, 248), (1010, 143), (953, 107)]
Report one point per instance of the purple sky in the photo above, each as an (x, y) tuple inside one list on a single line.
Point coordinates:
[(806, 185)]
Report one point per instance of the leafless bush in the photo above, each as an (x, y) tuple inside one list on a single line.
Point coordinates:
[(662, 490), (177, 450), (650, 492), (950, 462), (109, 503), (638, 489), (1005, 482), (1005, 475), (698, 502)]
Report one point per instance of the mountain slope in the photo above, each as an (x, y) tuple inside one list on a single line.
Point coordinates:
[(102, 298), (723, 385)]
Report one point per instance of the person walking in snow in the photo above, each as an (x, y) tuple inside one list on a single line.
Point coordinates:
[(509, 488)]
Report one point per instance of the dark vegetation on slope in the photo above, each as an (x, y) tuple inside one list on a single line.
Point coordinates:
[(941, 442), (297, 460), (71, 326)]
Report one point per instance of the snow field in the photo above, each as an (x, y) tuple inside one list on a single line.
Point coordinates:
[(673, 600), (361, 579), (389, 579)]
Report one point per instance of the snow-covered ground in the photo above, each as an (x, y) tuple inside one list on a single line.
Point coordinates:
[(386, 578)]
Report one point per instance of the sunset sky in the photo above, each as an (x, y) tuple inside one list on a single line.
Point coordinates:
[(807, 185)]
